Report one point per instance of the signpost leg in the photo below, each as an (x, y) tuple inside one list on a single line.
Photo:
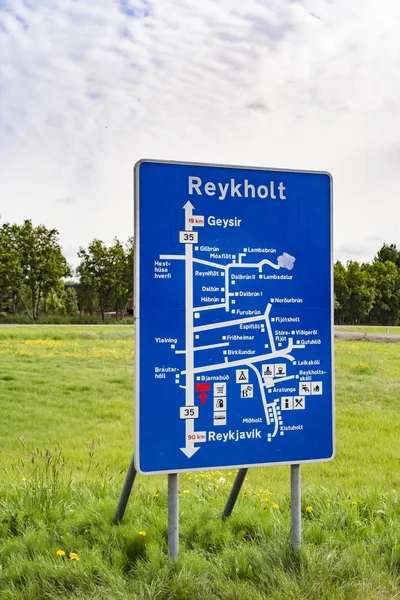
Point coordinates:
[(295, 493), (237, 485), (126, 492), (173, 516)]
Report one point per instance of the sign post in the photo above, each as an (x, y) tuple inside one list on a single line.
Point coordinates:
[(234, 327), (173, 516), (237, 486), (126, 492), (295, 505)]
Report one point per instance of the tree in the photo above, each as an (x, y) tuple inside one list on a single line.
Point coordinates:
[(386, 308), (43, 264), (32, 264), (95, 272), (388, 252), (70, 300), (105, 272), (361, 292), (130, 275), (54, 303), (86, 296), (123, 280), (341, 292), (10, 268)]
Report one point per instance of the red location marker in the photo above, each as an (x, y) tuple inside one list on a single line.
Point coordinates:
[(203, 397), (203, 387)]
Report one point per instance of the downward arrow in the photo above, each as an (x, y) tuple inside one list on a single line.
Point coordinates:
[(190, 450)]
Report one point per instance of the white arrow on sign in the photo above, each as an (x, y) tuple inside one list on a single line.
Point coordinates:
[(188, 214), (189, 449)]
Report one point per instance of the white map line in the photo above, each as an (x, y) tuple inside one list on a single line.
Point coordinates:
[(270, 334), (262, 391), (220, 345), (277, 381), (258, 265), (196, 260), (209, 263), (267, 262), (172, 256), (233, 322), (244, 361), (243, 265), (189, 449), (227, 294), (225, 268), (275, 418), (209, 347), (209, 307)]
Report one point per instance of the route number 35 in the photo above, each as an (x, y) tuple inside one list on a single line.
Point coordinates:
[(188, 237), (189, 412)]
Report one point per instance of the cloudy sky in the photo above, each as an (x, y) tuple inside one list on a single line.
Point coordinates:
[(87, 87)]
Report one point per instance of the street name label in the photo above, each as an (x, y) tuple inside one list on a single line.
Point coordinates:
[(233, 302)]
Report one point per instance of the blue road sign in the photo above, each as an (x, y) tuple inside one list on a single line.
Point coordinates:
[(233, 308)]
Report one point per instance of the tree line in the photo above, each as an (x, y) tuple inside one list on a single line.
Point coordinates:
[(34, 279), (34, 274), (369, 292)]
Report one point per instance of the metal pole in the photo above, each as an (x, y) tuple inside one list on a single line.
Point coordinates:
[(173, 516), (126, 492), (237, 485), (295, 493)]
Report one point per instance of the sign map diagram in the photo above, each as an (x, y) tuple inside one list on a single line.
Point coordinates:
[(234, 323)]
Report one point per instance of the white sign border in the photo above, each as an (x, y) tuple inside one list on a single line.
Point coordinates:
[(136, 303)]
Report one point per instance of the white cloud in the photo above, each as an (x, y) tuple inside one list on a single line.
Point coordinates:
[(88, 89)]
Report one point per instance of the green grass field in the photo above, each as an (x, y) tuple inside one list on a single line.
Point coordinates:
[(66, 438)]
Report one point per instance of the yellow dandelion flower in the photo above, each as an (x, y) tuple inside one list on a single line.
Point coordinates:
[(60, 553), (275, 505), (155, 495), (73, 556), (24, 479), (309, 509), (143, 533), (186, 492), (353, 502), (266, 500)]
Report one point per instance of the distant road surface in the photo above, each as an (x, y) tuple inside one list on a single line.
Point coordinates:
[(365, 336)]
